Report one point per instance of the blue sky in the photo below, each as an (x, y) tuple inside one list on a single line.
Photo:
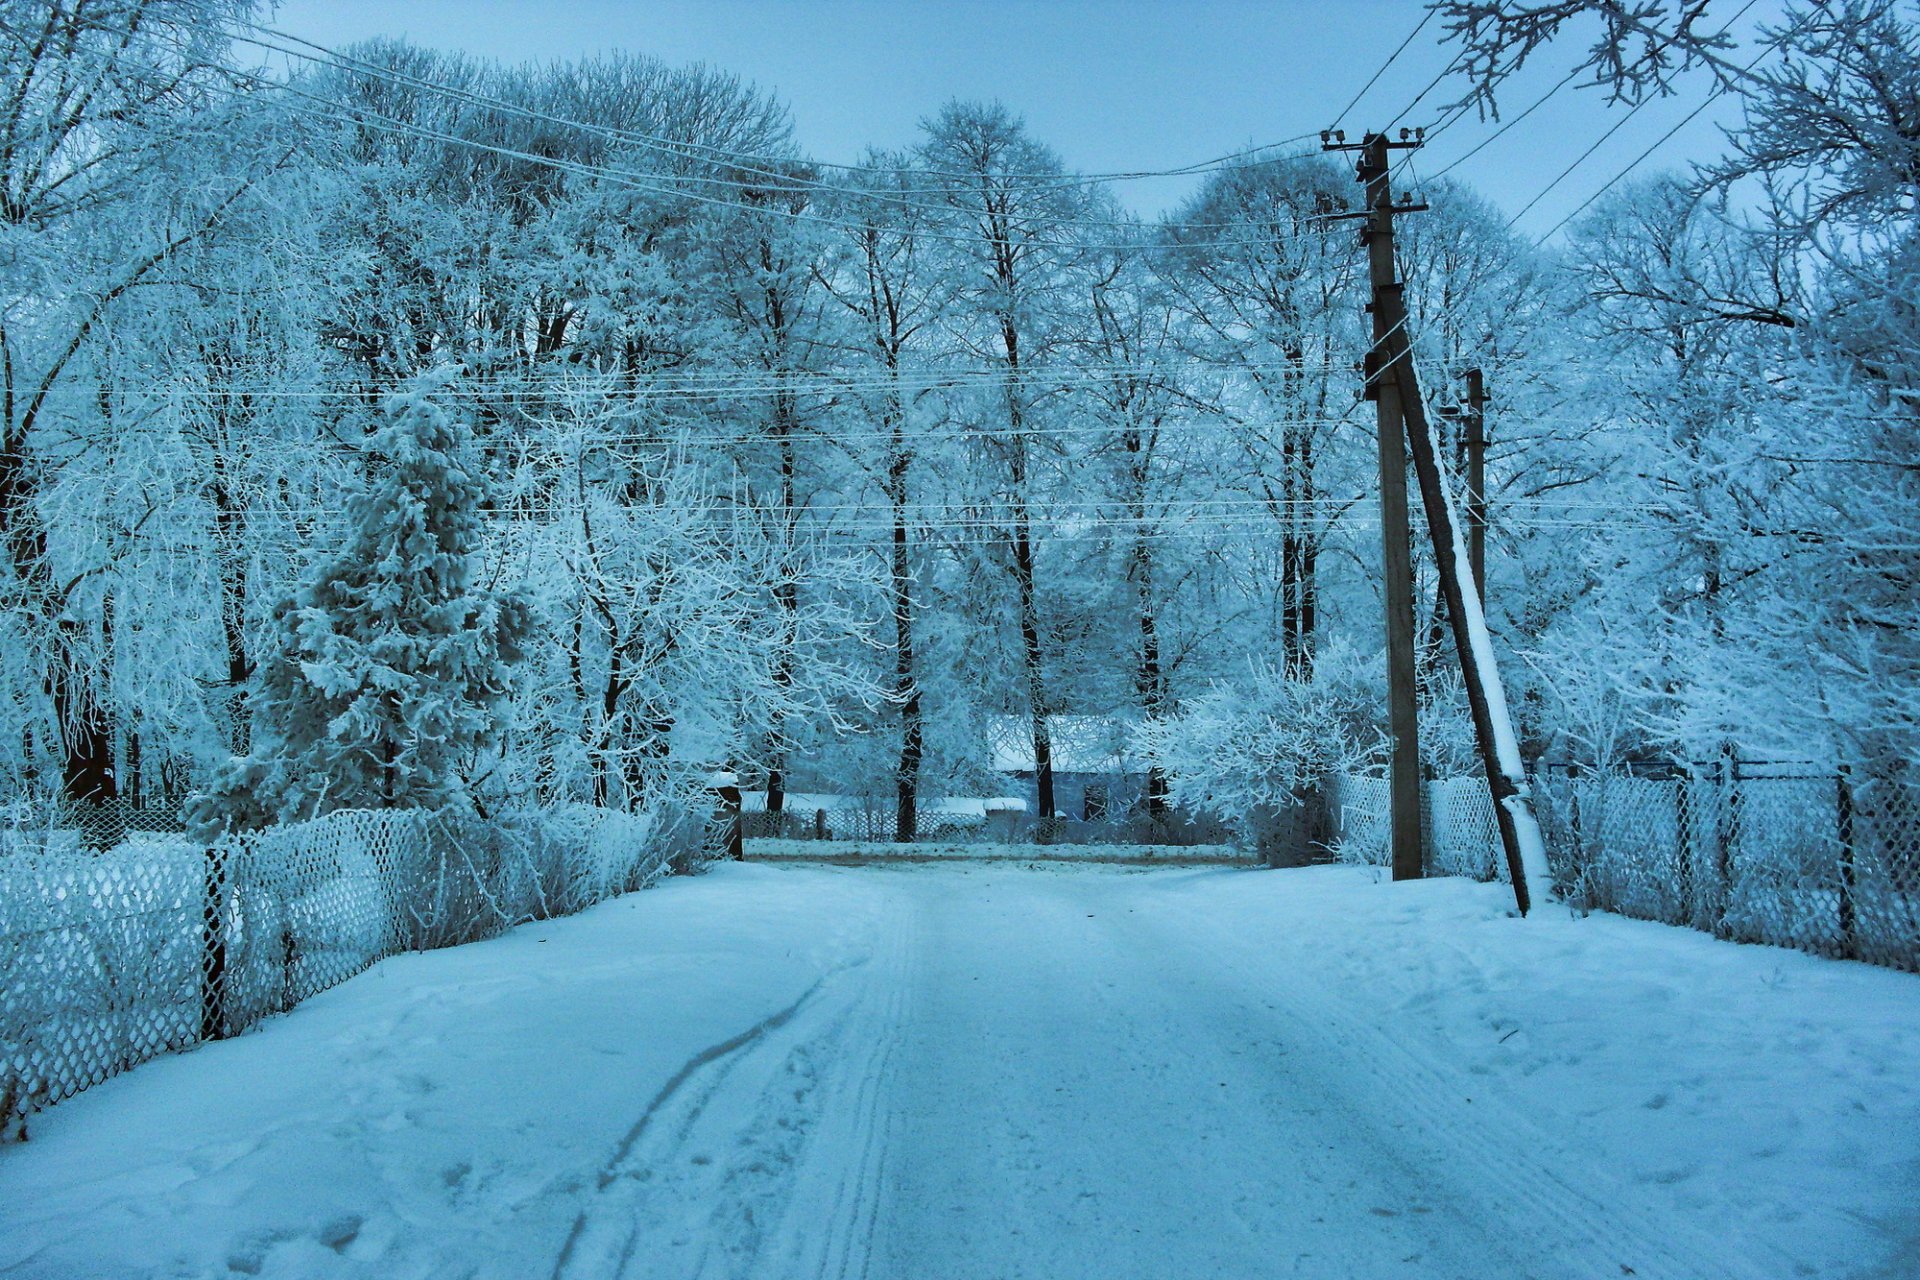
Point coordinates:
[(1123, 84)]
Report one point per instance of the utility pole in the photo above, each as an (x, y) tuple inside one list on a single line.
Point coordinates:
[(1477, 480), (1487, 700), (1403, 717)]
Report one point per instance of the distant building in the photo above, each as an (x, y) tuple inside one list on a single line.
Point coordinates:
[(1095, 775)]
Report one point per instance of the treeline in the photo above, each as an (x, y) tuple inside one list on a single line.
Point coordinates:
[(822, 472)]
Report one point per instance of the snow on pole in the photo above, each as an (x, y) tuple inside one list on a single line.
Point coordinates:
[(1526, 849)]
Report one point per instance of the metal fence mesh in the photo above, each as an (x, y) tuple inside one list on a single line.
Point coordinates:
[(111, 957), (1828, 863), (868, 824), (873, 823), (1456, 820)]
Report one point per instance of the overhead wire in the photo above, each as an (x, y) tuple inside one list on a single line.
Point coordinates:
[(357, 116), (1620, 123), (1509, 123), (1340, 116), (746, 160), (1662, 140)]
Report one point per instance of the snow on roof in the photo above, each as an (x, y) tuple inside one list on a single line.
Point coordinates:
[(975, 806), (1081, 744), (755, 801)]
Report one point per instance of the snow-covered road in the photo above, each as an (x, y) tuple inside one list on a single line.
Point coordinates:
[(969, 1072)]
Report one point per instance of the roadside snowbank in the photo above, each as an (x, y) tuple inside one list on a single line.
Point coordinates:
[(1771, 1097)]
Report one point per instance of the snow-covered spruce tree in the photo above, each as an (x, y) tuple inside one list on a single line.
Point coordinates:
[(390, 669)]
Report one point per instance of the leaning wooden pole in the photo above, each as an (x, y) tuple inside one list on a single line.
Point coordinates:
[(1520, 836)]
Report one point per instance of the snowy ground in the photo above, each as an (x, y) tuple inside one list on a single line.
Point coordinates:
[(960, 1072)]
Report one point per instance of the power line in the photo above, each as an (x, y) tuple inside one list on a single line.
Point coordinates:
[(1341, 115), (360, 117), (1485, 142), (781, 178), (357, 116), (1661, 141), (744, 160), (1621, 122)]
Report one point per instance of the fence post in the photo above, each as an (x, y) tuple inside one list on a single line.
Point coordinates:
[(1843, 798), (1683, 842), (1581, 862), (726, 788), (1429, 845), (1729, 773), (213, 960)]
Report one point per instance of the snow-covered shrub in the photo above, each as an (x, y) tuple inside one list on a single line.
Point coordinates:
[(1267, 739)]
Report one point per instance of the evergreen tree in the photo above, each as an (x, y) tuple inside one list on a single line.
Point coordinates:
[(390, 668)]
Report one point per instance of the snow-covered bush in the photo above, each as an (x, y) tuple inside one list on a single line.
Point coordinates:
[(1266, 740)]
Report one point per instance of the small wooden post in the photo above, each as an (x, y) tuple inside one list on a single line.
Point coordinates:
[(1683, 841), (732, 824), (1729, 770), (213, 961)]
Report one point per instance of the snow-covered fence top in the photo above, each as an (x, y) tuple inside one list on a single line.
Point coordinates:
[(108, 959)]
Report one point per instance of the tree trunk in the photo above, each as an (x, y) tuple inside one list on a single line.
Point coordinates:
[(86, 735), (1150, 683), (230, 539), (905, 687), (1032, 652), (1036, 676), (787, 600)]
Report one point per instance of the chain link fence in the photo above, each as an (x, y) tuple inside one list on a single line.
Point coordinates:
[(1458, 830), (872, 823), (72, 826), (111, 957), (1825, 862)]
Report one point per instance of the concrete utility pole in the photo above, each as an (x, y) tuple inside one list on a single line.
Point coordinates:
[(1403, 717)]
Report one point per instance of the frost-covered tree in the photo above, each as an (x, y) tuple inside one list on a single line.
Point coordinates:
[(1268, 738), (391, 666), (1756, 373), (1008, 222), (1273, 297), (109, 107), (886, 279)]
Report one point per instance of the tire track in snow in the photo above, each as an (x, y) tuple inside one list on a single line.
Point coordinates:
[(832, 1215), (714, 1178)]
